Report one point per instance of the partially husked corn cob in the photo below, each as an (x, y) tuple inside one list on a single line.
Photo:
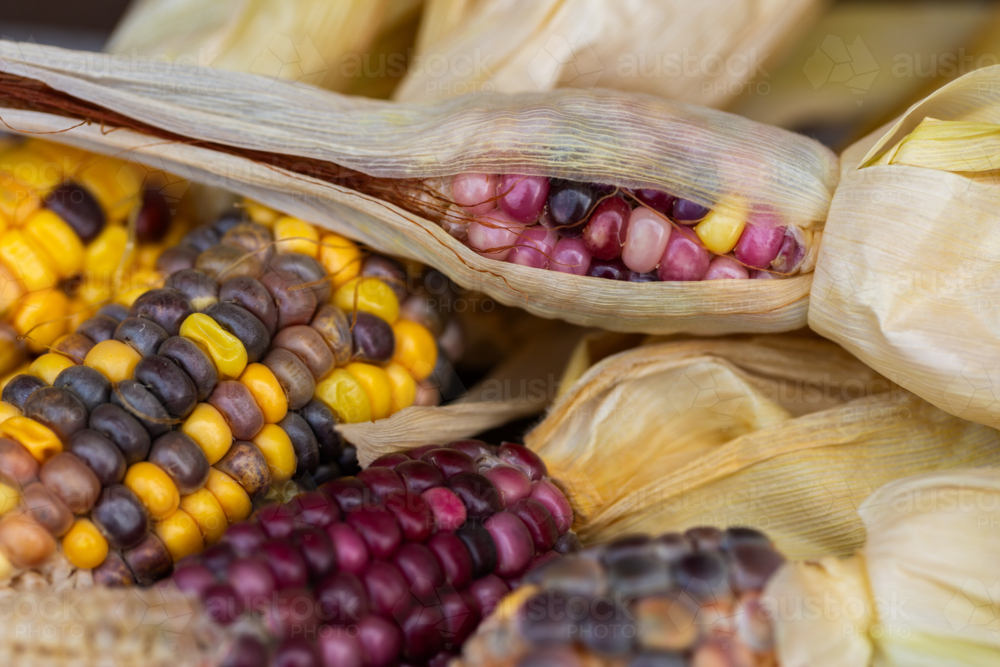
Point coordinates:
[(395, 565), (607, 232), (150, 429), (667, 601)]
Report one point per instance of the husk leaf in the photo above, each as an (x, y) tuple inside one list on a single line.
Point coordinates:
[(595, 136), (784, 433), (905, 277), (923, 592), (702, 53)]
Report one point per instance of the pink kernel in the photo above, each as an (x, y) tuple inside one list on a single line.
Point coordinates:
[(493, 235), (512, 483), (515, 547), (759, 245), (645, 240), (684, 258), (549, 495), (726, 268), (475, 193), (523, 197), (606, 230), (449, 511), (570, 256), (533, 248)]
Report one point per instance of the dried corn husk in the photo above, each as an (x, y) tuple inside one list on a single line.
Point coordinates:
[(628, 140), (784, 433), (703, 53), (155, 627), (905, 279), (922, 593), (313, 41)]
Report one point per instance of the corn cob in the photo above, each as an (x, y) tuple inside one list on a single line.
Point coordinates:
[(100, 626), (65, 213), (396, 563), (254, 374), (669, 601), (605, 232)]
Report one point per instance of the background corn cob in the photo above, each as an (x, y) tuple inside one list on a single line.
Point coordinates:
[(89, 451), (398, 563), (667, 601)]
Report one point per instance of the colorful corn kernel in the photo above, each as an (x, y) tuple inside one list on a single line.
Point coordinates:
[(26, 261), (720, 231), (48, 366), (276, 446), (39, 440), (84, 546), (180, 534), (266, 390), (205, 510), (416, 349), (345, 396), (294, 235), (41, 318), (370, 295), (232, 498), (341, 258), (61, 245), (404, 387), (209, 429), (158, 493), (225, 349), (114, 359)]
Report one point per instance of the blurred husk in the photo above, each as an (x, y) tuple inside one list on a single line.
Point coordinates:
[(921, 593), (906, 276), (702, 53), (328, 44), (788, 434), (716, 159)]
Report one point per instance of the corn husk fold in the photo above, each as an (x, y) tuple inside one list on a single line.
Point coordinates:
[(599, 136), (703, 53), (923, 592), (787, 434), (905, 278)]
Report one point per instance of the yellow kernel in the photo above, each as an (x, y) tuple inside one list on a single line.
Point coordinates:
[(209, 429), (262, 215), (17, 201), (117, 185), (6, 568), (37, 438), (137, 284), (114, 359), (48, 366), (31, 168), (106, 254), (231, 496), (180, 534), (27, 262), (7, 411), (84, 546), (12, 353), (341, 258), (721, 230), (376, 384), (370, 295), (154, 487), (226, 350), (404, 387), (294, 235), (206, 511), (67, 159), (12, 290), (61, 245), (276, 446), (148, 253), (94, 290), (10, 498), (345, 396), (41, 318), (416, 349), (266, 391)]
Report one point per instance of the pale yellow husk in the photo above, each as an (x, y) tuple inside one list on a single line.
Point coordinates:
[(155, 627), (596, 136), (906, 277), (788, 434), (924, 591), (704, 53), (317, 42)]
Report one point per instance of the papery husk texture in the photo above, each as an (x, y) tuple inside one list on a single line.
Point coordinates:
[(906, 278), (216, 120), (703, 53), (923, 591), (786, 434)]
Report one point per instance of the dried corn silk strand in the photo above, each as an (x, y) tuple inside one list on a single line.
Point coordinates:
[(771, 442), (921, 312), (154, 627), (702, 156)]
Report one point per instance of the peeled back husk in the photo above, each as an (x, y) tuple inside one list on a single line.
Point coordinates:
[(922, 593), (786, 434), (906, 278), (702, 53), (265, 144)]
